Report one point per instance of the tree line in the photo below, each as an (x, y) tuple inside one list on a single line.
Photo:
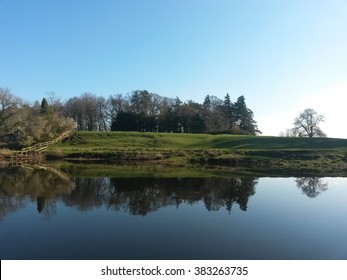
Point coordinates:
[(144, 111), (137, 196), (139, 110)]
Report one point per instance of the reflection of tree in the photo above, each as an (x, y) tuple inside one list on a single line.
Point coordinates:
[(311, 186), (88, 193), (9, 204), (41, 202), (19, 185), (139, 196), (229, 191)]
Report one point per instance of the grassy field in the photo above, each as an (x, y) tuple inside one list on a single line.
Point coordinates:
[(256, 152), (88, 141)]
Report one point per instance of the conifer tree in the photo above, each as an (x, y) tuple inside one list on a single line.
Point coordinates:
[(45, 109), (244, 117), (229, 110)]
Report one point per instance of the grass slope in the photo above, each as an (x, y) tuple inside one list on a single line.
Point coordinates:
[(256, 152), (136, 140), (231, 153)]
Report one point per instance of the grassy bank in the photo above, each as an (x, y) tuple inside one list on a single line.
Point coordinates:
[(223, 150), (128, 140)]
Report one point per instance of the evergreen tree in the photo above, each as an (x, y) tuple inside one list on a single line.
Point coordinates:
[(45, 109), (229, 110), (126, 121), (244, 117)]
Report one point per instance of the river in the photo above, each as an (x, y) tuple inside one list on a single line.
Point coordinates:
[(46, 213)]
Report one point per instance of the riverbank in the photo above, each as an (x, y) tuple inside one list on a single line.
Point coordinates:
[(323, 155)]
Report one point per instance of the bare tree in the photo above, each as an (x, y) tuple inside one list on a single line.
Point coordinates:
[(9, 108), (307, 124), (73, 108), (55, 102), (289, 132), (311, 186), (114, 105), (89, 112), (39, 125), (214, 116)]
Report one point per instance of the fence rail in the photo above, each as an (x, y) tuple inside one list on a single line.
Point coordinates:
[(47, 143), (37, 149)]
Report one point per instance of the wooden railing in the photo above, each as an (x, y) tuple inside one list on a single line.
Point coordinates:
[(46, 168), (44, 145), (37, 149)]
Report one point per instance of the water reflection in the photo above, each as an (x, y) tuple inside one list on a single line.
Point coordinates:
[(140, 196), (34, 183), (124, 217), (311, 186), (46, 186)]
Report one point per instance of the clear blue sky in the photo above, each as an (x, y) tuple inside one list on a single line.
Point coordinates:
[(283, 56)]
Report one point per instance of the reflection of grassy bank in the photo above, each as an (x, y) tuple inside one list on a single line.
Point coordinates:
[(92, 170), (327, 155)]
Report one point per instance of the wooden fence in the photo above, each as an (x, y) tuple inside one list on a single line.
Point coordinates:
[(33, 153)]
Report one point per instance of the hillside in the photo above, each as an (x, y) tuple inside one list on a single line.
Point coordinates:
[(255, 152), (130, 140)]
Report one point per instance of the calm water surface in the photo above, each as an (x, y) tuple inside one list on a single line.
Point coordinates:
[(49, 215)]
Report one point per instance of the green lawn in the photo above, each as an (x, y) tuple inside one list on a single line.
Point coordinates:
[(313, 156), (93, 141)]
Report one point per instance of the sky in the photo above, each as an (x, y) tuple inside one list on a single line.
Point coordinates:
[(283, 55)]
